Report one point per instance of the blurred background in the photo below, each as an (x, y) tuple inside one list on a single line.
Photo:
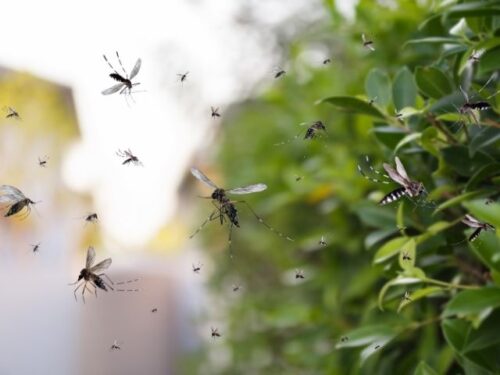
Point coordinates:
[(52, 73)]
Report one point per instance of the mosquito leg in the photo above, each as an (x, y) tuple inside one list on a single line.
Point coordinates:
[(107, 277), (76, 289), (111, 66), (209, 218), (280, 234), (120, 61)]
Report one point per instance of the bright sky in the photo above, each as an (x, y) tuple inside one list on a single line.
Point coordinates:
[(64, 41)]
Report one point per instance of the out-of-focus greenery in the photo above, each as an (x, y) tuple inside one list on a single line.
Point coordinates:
[(354, 286)]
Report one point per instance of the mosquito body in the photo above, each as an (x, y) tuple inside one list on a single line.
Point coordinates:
[(12, 198), (154, 310), (115, 346), (312, 130), (225, 208), (279, 72), (406, 256), (215, 112), (322, 242), (12, 113), (197, 268), (182, 76), (215, 332), (125, 84), (236, 288), (35, 248), (344, 339), (472, 222), (475, 56), (469, 107), (371, 101), (327, 61), (299, 274), (91, 218), (406, 297), (130, 158), (43, 162), (90, 275), (367, 43)]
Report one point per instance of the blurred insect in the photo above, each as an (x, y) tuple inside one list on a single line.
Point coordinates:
[(408, 187), (154, 310), (469, 107), (35, 248), (279, 72), (215, 112), (299, 274), (489, 201), (298, 178), (197, 269), (129, 157), (472, 222), (12, 113), (371, 101), (311, 132), (327, 61), (91, 218), (15, 200), (377, 346), (236, 288), (406, 296), (225, 208), (406, 256), (90, 275), (322, 242), (125, 84), (215, 332), (43, 162), (475, 56), (367, 43), (182, 76), (344, 339), (115, 346)]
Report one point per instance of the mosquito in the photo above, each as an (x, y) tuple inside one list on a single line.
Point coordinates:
[(377, 346), (15, 200), (469, 107), (125, 84), (35, 248), (344, 339), (236, 288), (472, 222), (322, 242), (12, 113), (197, 268), (327, 61), (215, 332), (279, 72), (90, 275), (311, 132), (115, 346), (182, 76), (129, 157), (373, 100), (215, 112), (406, 256), (225, 208), (367, 43), (299, 274), (406, 296), (154, 310), (43, 162), (91, 218), (475, 56)]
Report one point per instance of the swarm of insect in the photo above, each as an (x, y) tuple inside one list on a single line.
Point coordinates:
[(12, 113), (225, 208), (13, 199), (472, 222), (215, 332), (367, 43), (125, 84), (42, 162), (130, 158), (215, 112), (197, 268), (90, 275)]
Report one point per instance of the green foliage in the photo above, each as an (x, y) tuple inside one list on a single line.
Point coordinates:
[(355, 286)]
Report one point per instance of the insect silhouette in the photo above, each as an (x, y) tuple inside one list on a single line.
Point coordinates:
[(115, 346), (299, 274), (91, 218), (406, 256), (236, 288), (327, 61), (130, 158), (125, 84), (215, 332), (279, 72), (215, 112), (469, 107), (197, 269), (225, 208), (472, 222), (35, 248), (311, 132), (12, 113), (182, 76), (373, 100), (90, 275), (322, 242), (409, 187), (344, 339), (406, 296), (154, 310), (12, 198), (475, 56), (377, 346), (43, 162), (367, 43)]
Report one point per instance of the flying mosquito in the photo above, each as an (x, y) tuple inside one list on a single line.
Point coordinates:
[(225, 208), (215, 332), (42, 162), (299, 274), (236, 288), (472, 222), (182, 76), (215, 112), (197, 268), (311, 132), (115, 346), (279, 72), (35, 248), (406, 256), (469, 107), (90, 275), (367, 43), (406, 297), (327, 61), (475, 56), (15, 200), (129, 157), (154, 310), (344, 339), (125, 84), (408, 187), (322, 242), (91, 218), (12, 113)]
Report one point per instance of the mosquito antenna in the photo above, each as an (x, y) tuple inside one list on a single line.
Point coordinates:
[(120, 61)]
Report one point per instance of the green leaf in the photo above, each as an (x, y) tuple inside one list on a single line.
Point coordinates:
[(483, 139), (486, 249), (433, 40), (389, 136), (368, 335), (355, 105), (407, 139), (400, 280), (432, 82), (459, 199), (424, 369), (470, 302), (389, 249), (486, 335), (489, 61), (404, 90), (483, 173), (409, 250), (455, 331), (473, 9), (378, 85), (485, 212), (459, 159)]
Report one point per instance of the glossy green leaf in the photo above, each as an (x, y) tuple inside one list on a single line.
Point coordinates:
[(404, 89), (483, 173), (485, 212), (474, 9), (432, 82), (459, 159), (470, 302), (351, 104), (400, 280), (390, 249), (424, 369), (378, 85)]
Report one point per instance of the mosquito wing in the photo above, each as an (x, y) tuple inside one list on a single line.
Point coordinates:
[(7, 189), (136, 69), (90, 257), (101, 266), (401, 169), (471, 221), (200, 176), (394, 175), (8, 199), (248, 189), (113, 89)]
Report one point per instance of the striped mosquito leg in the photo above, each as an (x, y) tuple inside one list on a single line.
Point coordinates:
[(280, 234), (393, 196), (125, 283), (375, 172), (120, 61), (210, 218), (111, 66)]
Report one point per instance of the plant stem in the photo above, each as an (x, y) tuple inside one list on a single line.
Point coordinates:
[(449, 285)]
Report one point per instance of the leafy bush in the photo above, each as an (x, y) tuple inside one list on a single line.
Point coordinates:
[(354, 287)]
